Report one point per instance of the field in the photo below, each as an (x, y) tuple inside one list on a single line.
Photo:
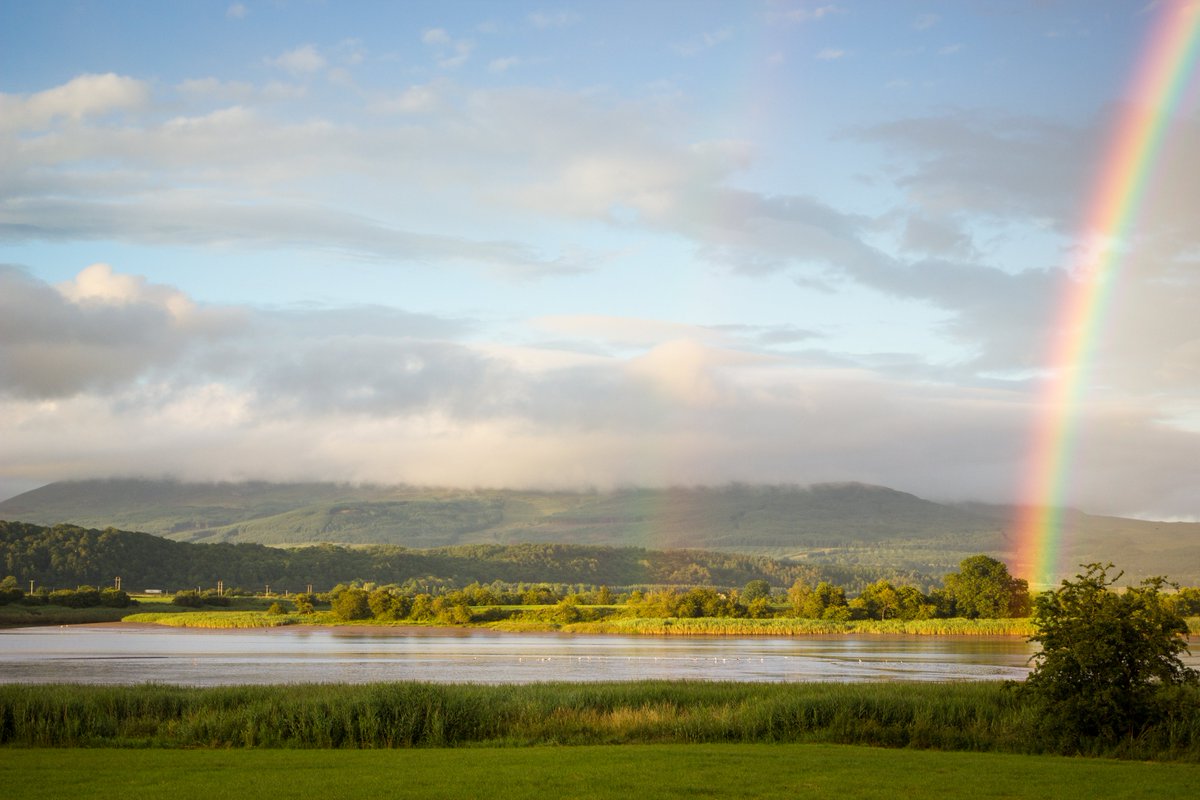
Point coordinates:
[(645, 772)]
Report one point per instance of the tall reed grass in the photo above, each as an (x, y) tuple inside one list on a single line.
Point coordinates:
[(217, 619), (725, 626), (544, 619), (967, 716)]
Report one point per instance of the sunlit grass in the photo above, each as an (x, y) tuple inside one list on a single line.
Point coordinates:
[(647, 773), (802, 627), (983, 716), (540, 618)]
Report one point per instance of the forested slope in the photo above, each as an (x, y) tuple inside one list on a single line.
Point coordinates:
[(65, 556)]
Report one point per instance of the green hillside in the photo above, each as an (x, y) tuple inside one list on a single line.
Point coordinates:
[(839, 524), (65, 556)]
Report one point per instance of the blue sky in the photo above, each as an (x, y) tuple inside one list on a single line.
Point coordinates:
[(581, 244)]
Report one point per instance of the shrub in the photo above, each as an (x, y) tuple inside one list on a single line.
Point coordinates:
[(1108, 660), (115, 598), (188, 598), (82, 597)]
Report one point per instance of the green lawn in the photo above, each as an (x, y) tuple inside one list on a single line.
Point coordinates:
[(643, 772)]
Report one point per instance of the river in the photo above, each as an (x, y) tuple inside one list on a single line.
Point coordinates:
[(127, 654)]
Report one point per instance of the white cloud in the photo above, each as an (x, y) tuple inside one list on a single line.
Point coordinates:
[(99, 284), (304, 60), (705, 41), (808, 14), (413, 100), (351, 52), (553, 19), (503, 64), (435, 36), (200, 89), (451, 53), (926, 21), (830, 54), (458, 56), (237, 11), (80, 98), (624, 331)]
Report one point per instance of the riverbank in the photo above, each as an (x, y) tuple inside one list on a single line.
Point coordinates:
[(18, 616)]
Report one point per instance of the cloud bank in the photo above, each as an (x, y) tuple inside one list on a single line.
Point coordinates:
[(112, 374)]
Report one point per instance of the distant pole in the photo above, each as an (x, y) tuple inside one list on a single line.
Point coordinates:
[(268, 591), (310, 588), (117, 583), (31, 585)]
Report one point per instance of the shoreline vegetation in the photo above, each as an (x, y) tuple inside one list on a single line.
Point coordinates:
[(533, 621), (976, 716), (1129, 644), (981, 599)]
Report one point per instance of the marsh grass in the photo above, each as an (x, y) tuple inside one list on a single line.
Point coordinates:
[(729, 626), (543, 618), (217, 619), (966, 716)]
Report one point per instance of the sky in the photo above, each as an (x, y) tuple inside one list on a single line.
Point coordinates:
[(585, 245)]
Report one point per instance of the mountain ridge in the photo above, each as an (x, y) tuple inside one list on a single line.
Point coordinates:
[(849, 523)]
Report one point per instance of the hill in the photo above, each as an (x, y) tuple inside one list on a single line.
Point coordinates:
[(65, 556), (844, 524)]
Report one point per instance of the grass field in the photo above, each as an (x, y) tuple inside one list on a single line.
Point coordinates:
[(643, 772)]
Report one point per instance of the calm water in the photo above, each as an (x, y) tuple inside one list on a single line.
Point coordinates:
[(137, 654)]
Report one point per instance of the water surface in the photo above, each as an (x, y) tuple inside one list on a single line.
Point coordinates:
[(127, 654)]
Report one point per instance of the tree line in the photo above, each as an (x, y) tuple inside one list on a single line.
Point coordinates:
[(79, 597), (65, 556), (981, 588)]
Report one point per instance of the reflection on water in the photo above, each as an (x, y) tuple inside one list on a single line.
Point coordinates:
[(137, 654)]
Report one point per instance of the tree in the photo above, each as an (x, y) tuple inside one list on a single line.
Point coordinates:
[(983, 588), (350, 604), (912, 604), (304, 604), (10, 592), (1186, 601), (754, 590), (826, 601), (878, 600), (1106, 657)]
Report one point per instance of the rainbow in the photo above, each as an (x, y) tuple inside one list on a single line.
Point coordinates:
[(1169, 56)]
